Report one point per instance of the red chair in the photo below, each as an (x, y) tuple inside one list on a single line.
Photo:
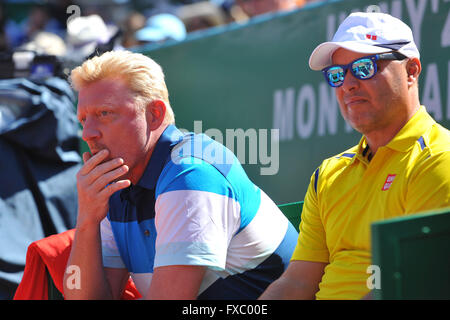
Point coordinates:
[(45, 266)]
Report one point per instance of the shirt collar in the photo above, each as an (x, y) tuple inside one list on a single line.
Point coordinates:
[(168, 139), (412, 131), (360, 151)]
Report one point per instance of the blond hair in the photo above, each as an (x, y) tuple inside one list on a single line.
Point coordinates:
[(143, 76)]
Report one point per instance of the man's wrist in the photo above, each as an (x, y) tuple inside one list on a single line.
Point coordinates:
[(87, 224)]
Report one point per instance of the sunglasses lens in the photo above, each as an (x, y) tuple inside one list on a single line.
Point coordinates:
[(363, 69), (335, 76)]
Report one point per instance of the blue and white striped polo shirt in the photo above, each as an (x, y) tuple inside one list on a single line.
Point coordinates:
[(195, 205)]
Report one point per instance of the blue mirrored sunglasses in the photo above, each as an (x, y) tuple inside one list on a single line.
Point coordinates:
[(362, 68)]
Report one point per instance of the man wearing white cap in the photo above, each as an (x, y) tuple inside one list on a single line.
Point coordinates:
[(399, 167)]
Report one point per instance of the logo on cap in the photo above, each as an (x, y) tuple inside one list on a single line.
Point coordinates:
[(371, 37)]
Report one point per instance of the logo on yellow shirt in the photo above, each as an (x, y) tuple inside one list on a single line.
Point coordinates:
[(387, 184)]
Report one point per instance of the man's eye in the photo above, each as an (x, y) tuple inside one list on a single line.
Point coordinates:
[(104, 113)]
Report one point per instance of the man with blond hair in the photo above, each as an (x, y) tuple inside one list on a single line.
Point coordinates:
[(152, 205), (400, 166)]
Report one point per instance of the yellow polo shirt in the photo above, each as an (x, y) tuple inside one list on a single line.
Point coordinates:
[(347, 193)]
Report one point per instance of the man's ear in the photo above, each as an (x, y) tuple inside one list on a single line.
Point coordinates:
[(155, 113), (413, 69)]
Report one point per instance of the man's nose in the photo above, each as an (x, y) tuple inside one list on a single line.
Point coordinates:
[(350, 82), (90, 130)]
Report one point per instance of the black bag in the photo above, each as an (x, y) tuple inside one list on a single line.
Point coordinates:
[(39, 159)]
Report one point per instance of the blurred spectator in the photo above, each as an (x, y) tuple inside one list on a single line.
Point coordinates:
[(130, 15), (38, 19), (85, 34), (58, 12), (256, 7), (46, 43), (134, 22), (162, 27), (201, 15)]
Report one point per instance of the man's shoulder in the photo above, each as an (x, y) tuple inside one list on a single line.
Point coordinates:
[(433, 151), (190, 173), (339, 160), (438, 139), (200, 151)]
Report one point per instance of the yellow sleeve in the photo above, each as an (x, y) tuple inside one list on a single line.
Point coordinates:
[(429, 185), (311, 244)]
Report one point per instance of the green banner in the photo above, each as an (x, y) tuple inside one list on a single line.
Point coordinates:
[(238, 82)]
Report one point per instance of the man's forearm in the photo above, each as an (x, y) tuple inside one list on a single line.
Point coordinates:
[(288, 289), (85, 276), (300, 281)]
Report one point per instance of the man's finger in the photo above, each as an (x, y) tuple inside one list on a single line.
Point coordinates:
[(114, 187), (103, 168), (108, 178), (86, 156), (93, 161)]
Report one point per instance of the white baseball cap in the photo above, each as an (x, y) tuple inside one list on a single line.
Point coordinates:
[(366, 32)]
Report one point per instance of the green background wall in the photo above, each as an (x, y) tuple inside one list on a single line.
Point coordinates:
[(256, 76)]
